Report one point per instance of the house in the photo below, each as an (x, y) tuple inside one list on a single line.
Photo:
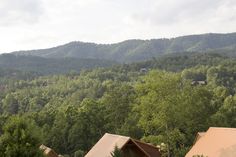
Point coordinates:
[(215, 142), (48, 152), (194, 83), (143, 70), (105, 146)]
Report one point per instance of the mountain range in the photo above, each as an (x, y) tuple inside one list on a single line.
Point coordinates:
[(140, 50), (76, 56)]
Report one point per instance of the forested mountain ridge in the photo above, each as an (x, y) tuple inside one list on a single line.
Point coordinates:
[(140, 50), (18, 66), (47, 66)]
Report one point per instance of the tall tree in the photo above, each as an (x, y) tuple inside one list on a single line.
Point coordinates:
[(168, 108), (21, 138)]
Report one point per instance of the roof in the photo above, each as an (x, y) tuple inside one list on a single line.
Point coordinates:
[(199, 135), (105, 146), (149, 149), (216, 142)]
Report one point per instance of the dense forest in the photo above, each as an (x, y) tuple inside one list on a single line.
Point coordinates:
[(159, 101), (48, 66)]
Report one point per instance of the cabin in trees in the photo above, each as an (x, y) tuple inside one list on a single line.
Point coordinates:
[(195, 83), (143, 70), (129, 147), (216, 142)]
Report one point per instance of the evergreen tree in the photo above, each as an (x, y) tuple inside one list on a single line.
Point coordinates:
[(20, 139), (117, 152)]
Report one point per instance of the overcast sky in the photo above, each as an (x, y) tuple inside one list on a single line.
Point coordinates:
[(33, 24)]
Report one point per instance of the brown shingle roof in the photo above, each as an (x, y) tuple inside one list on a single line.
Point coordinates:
[(105, 146), (151, 150), (216, 142)]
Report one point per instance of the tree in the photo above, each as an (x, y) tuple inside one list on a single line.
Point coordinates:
[(117, 152), (225, 116), (79, 153), (10, 104), (90, 124), (117, 101), (21, 138), (172, 111)]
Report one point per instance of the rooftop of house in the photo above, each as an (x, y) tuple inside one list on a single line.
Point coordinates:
[(105, 146), (215, 142)]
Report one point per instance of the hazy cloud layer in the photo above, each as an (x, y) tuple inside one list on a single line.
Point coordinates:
[(16, 12), (28, 24)]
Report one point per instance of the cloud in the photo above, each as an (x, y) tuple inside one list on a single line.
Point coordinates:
[(32, 24), (167, 12), (168, 18), (14, 12)]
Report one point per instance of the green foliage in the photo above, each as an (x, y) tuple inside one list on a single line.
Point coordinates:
[(225, 116), (73, 111), (32, 66), (79, 153), (20, 138), (168, 108), (117, 152), (117, 101)]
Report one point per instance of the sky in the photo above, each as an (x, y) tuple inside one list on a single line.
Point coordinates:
[(36, 24)]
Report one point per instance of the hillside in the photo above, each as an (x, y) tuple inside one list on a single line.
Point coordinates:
[(20, 66), (45, 66), (70, 113), (140, 50)]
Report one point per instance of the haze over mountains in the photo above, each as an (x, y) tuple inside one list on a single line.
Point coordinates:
[(75, 56), (139, 50)]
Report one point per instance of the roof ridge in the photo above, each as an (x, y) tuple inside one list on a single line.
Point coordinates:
[(222, 128), (114, 135), (146, 144)]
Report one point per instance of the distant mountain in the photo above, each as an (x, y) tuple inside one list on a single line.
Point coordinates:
[(140, 50), (46, 66)]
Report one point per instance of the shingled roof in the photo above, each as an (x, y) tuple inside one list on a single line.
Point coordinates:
[(216, 142), (105, 146)]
